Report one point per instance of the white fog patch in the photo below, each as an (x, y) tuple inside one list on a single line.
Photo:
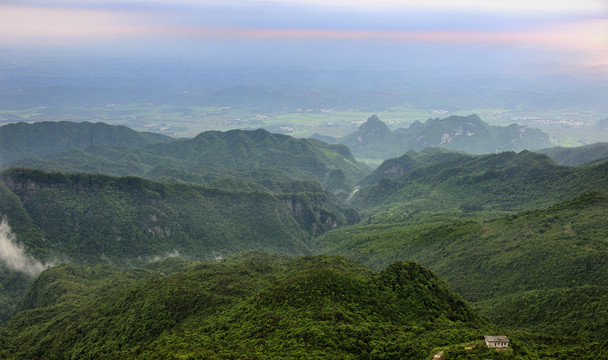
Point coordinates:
[(217, 256), (13, 256), (174, 254)]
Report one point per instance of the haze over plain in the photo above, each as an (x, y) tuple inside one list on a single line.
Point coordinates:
[(261, 62)]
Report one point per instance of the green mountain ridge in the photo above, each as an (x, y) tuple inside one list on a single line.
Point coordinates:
[(468, 185), (576, 227), (22, 139), (520, 236), (257, 160), (165, 217), (398, 167), (254, 305)]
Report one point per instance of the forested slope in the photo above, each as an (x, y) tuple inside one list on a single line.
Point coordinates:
[(470, 185), (82, 218), (577, 155), (249, 307), (564, 245), (576, 312), (553, 250)]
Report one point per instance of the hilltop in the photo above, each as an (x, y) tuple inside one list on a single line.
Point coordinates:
[(398, 167), (255, 305), (374, 140), (251, 306)]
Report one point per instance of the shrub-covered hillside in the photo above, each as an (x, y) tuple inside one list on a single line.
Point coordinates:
[(564, 245), (498, 262), (250, 306)]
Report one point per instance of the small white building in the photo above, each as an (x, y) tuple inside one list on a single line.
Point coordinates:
[(497, 341)]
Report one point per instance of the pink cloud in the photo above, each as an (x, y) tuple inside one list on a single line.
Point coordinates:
[(585, 42), (34, 24), (582, 36), (38, 24)]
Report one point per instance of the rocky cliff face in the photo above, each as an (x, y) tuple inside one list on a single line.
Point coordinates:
[(313, 218)]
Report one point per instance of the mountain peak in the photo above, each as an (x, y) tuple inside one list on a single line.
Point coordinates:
[(374, 128), (374, 122)]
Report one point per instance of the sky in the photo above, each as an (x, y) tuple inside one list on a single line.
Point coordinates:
[(427, 39), (574, 31)]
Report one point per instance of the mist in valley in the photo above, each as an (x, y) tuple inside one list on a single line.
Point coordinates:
[(13, 255)]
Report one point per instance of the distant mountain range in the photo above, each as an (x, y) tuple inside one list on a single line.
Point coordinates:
[(374, 140), (236, 159)]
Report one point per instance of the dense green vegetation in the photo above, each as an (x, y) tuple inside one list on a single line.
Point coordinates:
[(128, 221), (398, 167), (22, 139), (473, 185), (254, 160), (374, 140), (255, 305), (13, 285), (560, 246), (252, 306), (553, 249), (125, 218), (576, 312), (516, 234)]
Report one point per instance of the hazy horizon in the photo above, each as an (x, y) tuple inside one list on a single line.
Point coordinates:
[(286, 55)]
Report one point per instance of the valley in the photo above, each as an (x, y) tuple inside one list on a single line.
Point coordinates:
[(254, 244)]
